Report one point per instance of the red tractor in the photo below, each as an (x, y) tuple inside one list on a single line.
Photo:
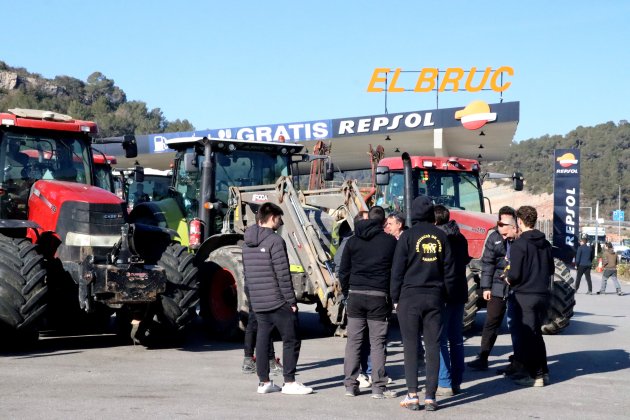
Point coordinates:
[(68, 256), (456, 184)]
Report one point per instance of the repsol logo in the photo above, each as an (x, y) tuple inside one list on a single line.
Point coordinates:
[(570, 202), (566, 171)]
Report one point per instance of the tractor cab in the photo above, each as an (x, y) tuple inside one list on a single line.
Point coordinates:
[(29, 152), (452, 182)]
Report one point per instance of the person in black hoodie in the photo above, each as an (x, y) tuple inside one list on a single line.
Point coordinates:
[(452, 338), (423, 276), (530, 275), (271, 294), (364, 275)]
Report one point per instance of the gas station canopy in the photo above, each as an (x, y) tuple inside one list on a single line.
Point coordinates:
[(476, 129)]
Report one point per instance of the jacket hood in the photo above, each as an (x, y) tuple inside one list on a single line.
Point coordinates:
[(255, 234), (422, 209), (367, 229), (536, 237), (450, 228)]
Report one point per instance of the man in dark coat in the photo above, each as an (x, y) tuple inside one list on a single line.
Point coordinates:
[(365, 279), (452, 338), (268, 281), (584, 263), (423, 276), (530, 275), (494, 288)]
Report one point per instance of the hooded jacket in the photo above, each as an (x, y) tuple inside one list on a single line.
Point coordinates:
[(584, 256), (367, 258), (266, 265), (459, 248), (531, 263), (423, 262)]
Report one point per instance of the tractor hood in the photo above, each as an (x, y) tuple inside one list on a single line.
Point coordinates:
[(56, 192), (475, 227)]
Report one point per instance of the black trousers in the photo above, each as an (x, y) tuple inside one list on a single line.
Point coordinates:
[(366, 313), (529, 314), (586, 270), (250, 337), (495, 311), (421, 315), (286, 321)]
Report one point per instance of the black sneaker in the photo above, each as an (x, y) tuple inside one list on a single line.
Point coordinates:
[(249, 365), (478, 364)]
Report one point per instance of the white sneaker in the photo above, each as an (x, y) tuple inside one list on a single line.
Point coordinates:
[(364, 381), (296, 388), (266, 388), (369, 381)]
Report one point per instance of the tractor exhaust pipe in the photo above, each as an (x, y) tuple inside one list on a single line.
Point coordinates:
[(409, 190)]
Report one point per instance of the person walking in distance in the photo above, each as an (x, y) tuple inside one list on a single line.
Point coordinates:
[(268, 280), (364, 275), (610, 270), (423, 275), (452, 338), (584, 263), (495, 290), (530, 275)]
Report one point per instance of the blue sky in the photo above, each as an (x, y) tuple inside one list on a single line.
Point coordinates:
[(233, 64)]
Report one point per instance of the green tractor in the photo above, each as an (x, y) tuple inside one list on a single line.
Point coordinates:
[(217, 187)]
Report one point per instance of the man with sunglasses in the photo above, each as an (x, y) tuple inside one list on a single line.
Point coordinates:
[(495, 290)]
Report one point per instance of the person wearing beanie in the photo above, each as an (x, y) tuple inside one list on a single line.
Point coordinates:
[(423, 277)]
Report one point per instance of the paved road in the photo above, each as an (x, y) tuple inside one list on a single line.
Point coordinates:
[(95, 377)]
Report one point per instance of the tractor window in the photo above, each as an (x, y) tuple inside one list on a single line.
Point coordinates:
[(243, 168), (103, 178), (453, 189), (25, 158), (188, 187)]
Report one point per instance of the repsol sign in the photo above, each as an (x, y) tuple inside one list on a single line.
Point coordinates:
[(566, 203), (383, 123)]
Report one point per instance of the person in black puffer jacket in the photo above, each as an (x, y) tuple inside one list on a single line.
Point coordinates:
[(271, 294), (365, 276), (530, 275), (452, 338), (495, 290)]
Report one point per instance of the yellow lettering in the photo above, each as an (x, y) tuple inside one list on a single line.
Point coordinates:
[(471, 75), (392, 87), (452, 75), (376, 79), (428, 75), (495, 76)]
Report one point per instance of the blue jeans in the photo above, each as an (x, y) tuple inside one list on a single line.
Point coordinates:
[(452, 346)]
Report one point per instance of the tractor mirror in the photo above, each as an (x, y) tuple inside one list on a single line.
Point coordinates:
[(382, 175), (130, 146), (517, 179), (190, 162), (138, 173)]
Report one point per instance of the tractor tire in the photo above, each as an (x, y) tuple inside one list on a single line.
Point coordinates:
[(224, 305), (23, 288), (562, 300), (471, 307), (179, 301)]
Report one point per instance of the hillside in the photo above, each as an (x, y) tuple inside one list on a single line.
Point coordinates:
[(96, 99), (605, 164)]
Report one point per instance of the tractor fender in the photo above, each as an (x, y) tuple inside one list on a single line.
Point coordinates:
[(215, 242)]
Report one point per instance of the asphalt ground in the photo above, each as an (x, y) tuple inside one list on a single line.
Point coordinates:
[(95, 377)]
